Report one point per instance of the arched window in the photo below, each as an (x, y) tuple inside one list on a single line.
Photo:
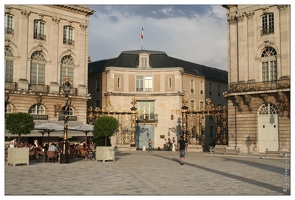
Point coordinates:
[(269, 64), (37, 109), (9, 61), (268, 109), (37, 74), (70, 110), (67, 69), (8, 108)]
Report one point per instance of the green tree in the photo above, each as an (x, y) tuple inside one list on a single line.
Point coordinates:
[(19, 124), (104, 127)]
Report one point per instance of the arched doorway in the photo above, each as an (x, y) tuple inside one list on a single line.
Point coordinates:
[(268, 128)]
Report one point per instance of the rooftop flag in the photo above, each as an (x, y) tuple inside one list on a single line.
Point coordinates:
[(141, 33)]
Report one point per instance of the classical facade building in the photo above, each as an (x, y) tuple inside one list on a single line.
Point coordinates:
[(259, 45), (160, 85), (43, 45)]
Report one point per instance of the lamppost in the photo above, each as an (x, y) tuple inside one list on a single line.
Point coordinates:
[(64, 156)]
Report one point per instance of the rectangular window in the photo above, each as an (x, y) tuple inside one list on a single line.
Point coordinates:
[(67, 71), (39, 30), (148, 84), (97, 85), (139, 83), (192, 86), (269, 71), (119, 82), (267, 24), (170, 82), (192, 104), (97, 104), (9, 24), (37, 74), (68, 36), (146, 108), (144, 83), (9, 70), (201, 105), (143, 62), (210, 88), (201, 87)]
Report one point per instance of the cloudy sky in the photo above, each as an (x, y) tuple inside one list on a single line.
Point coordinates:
[(195, 33)]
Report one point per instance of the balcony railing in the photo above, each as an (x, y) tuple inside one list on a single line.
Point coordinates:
[(259, 86), (39, 36), (69, 42), (11, 86), (9, 31), (38, 88), (148, 118)]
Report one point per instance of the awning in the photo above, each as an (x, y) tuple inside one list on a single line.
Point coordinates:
[(71, 133)]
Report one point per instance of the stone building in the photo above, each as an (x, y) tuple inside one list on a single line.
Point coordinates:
[(159, 84), (259, 66), (43, 45)]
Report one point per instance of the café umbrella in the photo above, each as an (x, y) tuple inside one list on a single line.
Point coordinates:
[(86, 128), (48, 128)]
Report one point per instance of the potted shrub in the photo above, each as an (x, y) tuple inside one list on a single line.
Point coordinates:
[(19, 124), (104, 127)]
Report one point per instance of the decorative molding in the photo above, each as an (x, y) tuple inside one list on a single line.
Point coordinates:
[(55, 19), (41, 16), (249, 14), (8, 9), (238, 102), (25, 13), (282, 7), (57, 109), (240, 17), (84, 26), (39, 99), (265, 9), (284, 102), (231, 18), (265, 98), (248, 99), (70, 22)]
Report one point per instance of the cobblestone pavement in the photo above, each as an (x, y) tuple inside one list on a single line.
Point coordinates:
[(156, 173)]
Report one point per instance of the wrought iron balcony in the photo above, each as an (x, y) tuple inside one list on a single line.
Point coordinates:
[(259, 86), (68, 41), (39, 36), (148, 118), (9, 31)]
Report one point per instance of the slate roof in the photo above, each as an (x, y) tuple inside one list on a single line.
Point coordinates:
[(157, 59)]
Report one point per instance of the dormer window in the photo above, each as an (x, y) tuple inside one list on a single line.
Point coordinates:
[(143, 60)]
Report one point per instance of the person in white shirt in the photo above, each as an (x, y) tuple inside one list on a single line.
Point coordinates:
[(52, 147), (12, 143)]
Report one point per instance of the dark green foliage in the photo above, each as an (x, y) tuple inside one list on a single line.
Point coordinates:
[(104, 127), (19, 123)]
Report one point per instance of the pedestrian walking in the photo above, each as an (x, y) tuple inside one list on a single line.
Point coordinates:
[(150, 145), (182, 148)]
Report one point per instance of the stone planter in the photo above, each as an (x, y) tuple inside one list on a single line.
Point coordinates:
[(18, 156), (105, 153)]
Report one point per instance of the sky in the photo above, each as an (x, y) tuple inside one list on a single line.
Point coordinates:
[(194, 33)]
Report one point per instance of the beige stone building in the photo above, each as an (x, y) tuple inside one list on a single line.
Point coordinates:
[(259, 65), (158, 83), (43, 45)]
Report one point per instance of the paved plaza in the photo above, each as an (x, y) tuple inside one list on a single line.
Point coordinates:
[(156, 173)]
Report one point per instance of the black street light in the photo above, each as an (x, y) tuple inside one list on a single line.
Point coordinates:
[(64, 156)]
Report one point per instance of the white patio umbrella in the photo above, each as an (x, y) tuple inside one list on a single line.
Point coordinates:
[(48, 128), (86, 128)]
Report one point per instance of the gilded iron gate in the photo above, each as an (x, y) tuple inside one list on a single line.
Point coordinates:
[(192, 122)]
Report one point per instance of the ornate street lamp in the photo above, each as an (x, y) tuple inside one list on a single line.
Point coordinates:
[(64, 156)]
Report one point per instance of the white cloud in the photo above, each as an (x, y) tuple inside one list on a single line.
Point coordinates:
[(201, 39)]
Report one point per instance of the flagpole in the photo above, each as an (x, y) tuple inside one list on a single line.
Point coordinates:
[(141, 38)]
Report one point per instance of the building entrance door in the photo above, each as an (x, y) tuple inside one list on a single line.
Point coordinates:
[(268, 128), (143, 133)]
